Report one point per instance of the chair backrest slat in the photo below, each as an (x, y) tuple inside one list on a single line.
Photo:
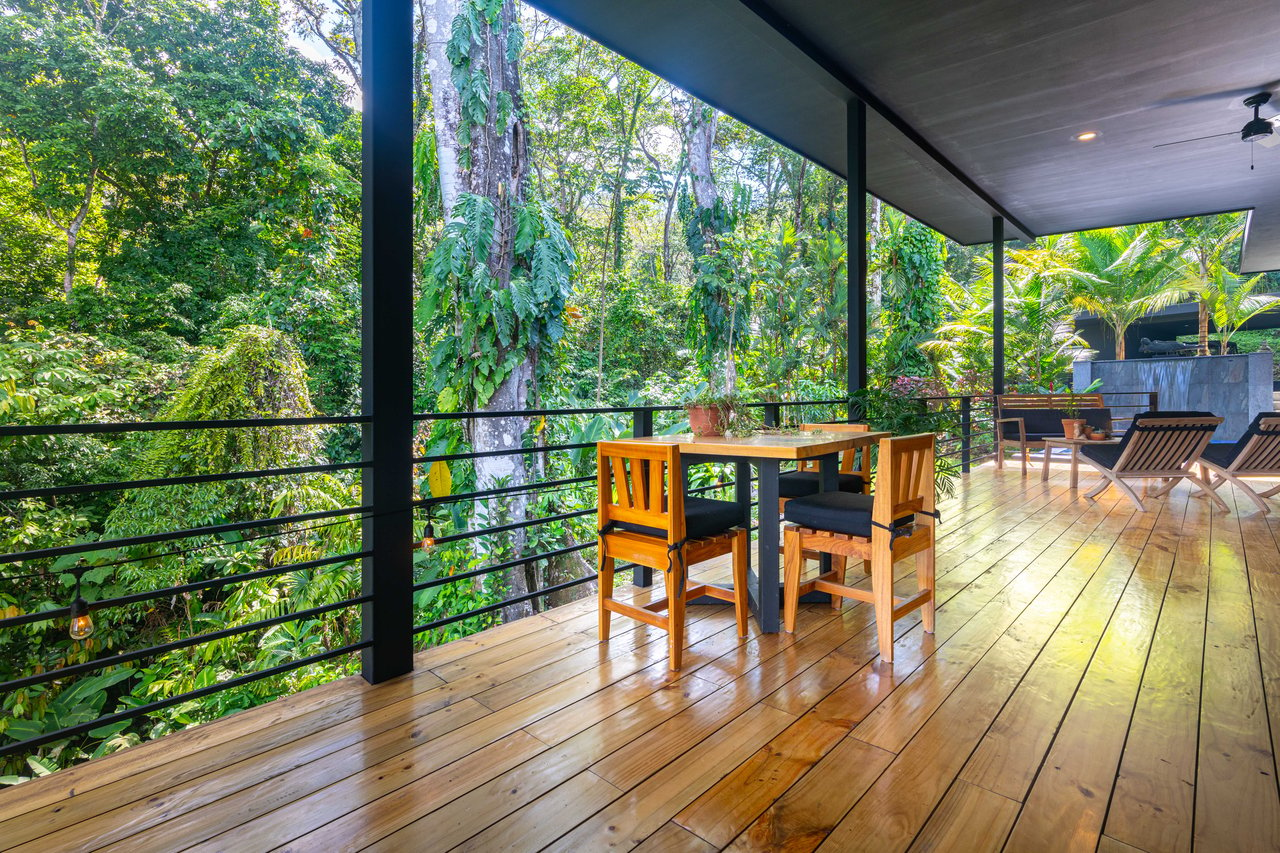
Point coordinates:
[(640, 483), (1158, 445), (904, 481), (1261, 454), (847, 461)]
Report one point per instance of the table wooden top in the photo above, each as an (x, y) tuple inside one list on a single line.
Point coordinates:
[(802, 445), (1066, 442)]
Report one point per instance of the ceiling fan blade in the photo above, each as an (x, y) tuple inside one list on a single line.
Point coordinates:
[(1271, 141), (1221, 94), (1197, 139)]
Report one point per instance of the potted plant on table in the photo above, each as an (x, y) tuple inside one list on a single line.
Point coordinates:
[(1072, 424)]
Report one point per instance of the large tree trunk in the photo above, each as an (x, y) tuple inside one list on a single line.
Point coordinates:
[(497, 167), (702, 137)]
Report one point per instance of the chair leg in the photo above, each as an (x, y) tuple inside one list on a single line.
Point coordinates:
[(740, 594), (999, 455), (605, 583), (882, 593), (1025, 453), (839, 565), (925, 580), (1217, 499), (793, 560), (1274, 490), (675, 618), (1129, 493)]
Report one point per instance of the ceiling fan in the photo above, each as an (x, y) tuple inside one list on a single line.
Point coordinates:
[(1264, 131)]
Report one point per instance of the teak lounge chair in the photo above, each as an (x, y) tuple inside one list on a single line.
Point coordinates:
[(646, 519), (877, 530), (1157, 446), (1256, 454)]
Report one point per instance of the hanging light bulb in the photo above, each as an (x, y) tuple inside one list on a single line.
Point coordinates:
[(81, 622), (429, 540)]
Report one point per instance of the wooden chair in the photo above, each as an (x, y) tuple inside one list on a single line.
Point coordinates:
[(878, 530), (1256, 454), (1157, 446), (805, 480), (645, 518)]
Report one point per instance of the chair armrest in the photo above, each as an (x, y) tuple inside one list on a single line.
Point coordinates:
[(1022, 427)]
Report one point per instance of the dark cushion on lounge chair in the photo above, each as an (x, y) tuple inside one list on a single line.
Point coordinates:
[(1224, 453), (1046, 423), (797, 484), (839, 512), (703, 518), (1108, 455)]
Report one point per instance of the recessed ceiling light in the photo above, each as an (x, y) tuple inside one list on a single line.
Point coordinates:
[(1086, 136)]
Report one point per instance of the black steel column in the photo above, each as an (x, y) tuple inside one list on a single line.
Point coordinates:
[(856, 303), (387, 336), (997, 305)]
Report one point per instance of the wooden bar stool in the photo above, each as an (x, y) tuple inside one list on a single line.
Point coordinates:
[(896, 523), (646, 519)]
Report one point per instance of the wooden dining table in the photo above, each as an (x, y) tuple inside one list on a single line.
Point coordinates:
[(766, 452)]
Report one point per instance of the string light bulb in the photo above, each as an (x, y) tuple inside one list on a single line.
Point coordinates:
[(81, 622), (429, 540)]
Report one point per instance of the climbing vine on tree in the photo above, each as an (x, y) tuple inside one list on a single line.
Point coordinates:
[(910, 259)]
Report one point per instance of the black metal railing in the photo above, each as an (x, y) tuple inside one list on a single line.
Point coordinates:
[(966, 428), (261, 528)]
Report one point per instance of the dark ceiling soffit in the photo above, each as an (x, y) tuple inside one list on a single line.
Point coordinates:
[(607, 43), (789, 32)]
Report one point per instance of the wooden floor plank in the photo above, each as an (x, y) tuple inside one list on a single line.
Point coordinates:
[(1100, 678), (1236, 794)]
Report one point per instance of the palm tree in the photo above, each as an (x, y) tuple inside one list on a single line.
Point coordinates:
[(1038, 332), (1205, 241), (1121, 275), (1233, 303)]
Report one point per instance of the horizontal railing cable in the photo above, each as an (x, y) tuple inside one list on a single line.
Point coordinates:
[(191, 532), (154, 482), (24, 746), (175, 645), (194, 586), (161, 426)]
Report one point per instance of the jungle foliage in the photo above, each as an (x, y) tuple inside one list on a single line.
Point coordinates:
[(179, 240)]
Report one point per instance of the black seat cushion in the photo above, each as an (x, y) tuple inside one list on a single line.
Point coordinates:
[(797, 484), (703, 518), (839, 512), (1045, 423), (1108, 455), (1224, 453)]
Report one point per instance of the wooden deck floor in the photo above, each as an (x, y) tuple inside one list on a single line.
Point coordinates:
[(1099, 679)]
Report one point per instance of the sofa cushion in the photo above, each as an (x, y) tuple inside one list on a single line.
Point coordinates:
[(797, 484), (1047, 423), (839, 512), (703, 518)]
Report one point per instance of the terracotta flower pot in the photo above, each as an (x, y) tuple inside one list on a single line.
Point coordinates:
[(1073, 427), (708, 420)]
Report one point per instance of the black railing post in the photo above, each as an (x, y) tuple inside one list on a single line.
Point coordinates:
[(387, 338), (997, 305), (1153, 401), (966, 425), (772, 414), (642, 425), (856, 261)]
